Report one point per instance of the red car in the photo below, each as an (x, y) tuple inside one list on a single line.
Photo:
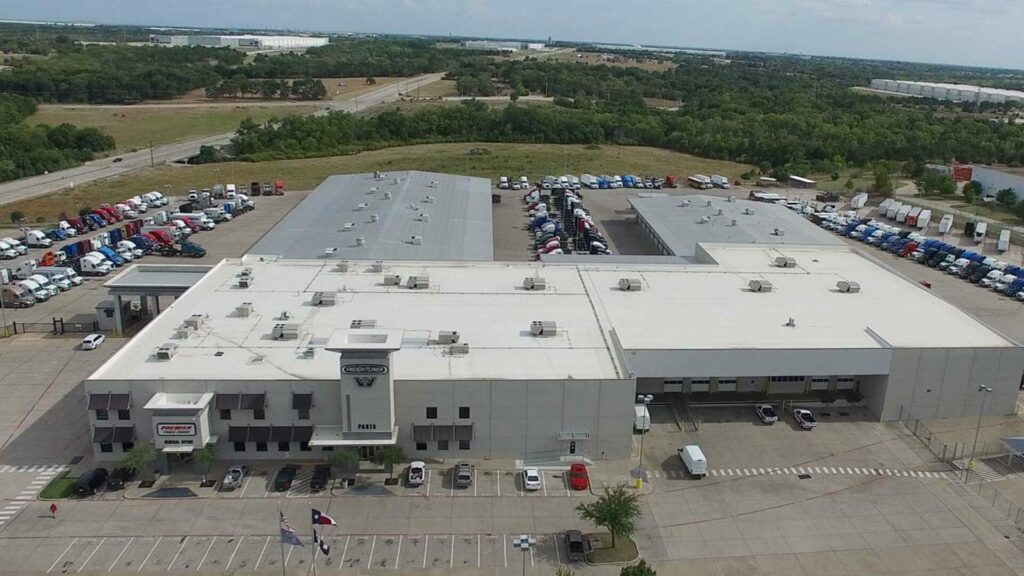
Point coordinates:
[(578, 477)]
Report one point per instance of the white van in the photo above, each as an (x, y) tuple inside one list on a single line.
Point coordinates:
[(641, 418), (694, 460)]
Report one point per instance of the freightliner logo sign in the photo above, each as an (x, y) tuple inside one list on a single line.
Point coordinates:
[(364, 369)]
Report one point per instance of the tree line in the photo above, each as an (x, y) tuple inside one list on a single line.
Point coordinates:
[(239, 86), (30, 150)]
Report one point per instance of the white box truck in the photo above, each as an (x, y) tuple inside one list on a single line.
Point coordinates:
[(1003, 244), (859, 200), (924, 218), (694, 460), (946, 224), (641, 418), (979, 232), (892, 209), (904, 211)]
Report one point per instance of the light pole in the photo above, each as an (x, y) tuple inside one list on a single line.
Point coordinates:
[(524, 542), (981, 412), (644, 400)]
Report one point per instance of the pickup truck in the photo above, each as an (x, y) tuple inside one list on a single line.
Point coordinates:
[(767, 413), (804, 418), (576, 545)]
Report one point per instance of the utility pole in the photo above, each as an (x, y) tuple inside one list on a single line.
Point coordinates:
[(152, 163), (981, 411)]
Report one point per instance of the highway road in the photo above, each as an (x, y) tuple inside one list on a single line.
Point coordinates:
[(43, 184)]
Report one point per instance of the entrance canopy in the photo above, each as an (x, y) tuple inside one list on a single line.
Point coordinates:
[(338, 436), (178, 449)]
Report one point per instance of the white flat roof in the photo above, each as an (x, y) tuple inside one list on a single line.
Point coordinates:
[(681, 306)]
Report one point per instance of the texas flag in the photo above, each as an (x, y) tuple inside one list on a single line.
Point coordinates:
[(323, 519)]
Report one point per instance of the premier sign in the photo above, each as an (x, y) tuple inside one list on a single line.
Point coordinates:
[(364, 369), (176, 429)]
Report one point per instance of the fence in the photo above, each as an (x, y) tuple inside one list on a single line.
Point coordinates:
[(956, 450), (55, 326), (1002, 507)]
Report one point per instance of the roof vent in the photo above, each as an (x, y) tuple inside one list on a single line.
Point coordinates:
[(684, 204), (357, 324), (720, 212), (630, 284), (429, 199), (397, 181), (184, 332), (760, 286), (323, 298), (705, 219), (348, 226), (730, 199), (543, 328), (534, 283), (374, 217), (708, 204), (195, 321), (447, 337), (360, 241), (423, 217), (361, 206), (462, 348), (848, 286), (167, 351), (732, 222), (285, 332), (387, 195), (244, 310), (328, 252), (418, 282), (791, 323), (785, 262), (779, 232), (392, 280), (748, 211), (416, 240), (373, 190), (245, 281), (285, 315)]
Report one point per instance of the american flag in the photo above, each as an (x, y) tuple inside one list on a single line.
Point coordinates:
[(288, 535)]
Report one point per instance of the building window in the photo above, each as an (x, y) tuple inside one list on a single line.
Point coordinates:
[(239, 446), (109, 313), (304, 446), (304, 414), (844, 379), (431, 412), (328, 448), (787, 379), (127, 446), (463, 444), (225, 414), (442, 445), (284, 446), (259, 414), (261, 446), (124, 414), (673, 381), (106, 447), (700, 381), (421, 446), (463, 411), (102, 415)]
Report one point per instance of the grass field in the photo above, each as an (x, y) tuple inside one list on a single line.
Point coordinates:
[(500, 159), (438, 89), (135, 128), (337, 89)]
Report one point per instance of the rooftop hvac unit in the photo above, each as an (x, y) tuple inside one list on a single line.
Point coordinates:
[(245, 281), (392, 280), (534, 283), (285, 315), (418, 282), (416, 240), (361, 206), (245, 272), (374, 217), (184, 332), (732, 222), (848, 286), (730, 199), (630, 284), (684, 204), (328, 252), (748, 211), (780, 232), (760, 286), (459, 348), (167, 351), (341, 266), (377, 266), (348, 226), (309, 353), (423, 217), (285, 332), (543, 328), (719, 212), (360, 241), (708, 204), (429, 199), (323, 298), (195, 321), (374, 189), (447, 337), (785, 262), (705, 219), (357, 324), (433, 184), (387, 195), (244, 309)]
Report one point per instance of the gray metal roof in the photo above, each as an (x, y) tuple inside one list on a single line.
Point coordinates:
[(458, 226), (679, 227), (156, 279)]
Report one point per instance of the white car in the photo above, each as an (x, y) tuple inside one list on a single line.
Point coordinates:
[(92, 341), (233, 479), (417, 473), (767, 413), (804, 418), (531, 479)]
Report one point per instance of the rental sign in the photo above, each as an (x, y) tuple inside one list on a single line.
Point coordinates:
[(176, 429)]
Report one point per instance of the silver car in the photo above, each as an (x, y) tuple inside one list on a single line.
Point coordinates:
[(234, 478)]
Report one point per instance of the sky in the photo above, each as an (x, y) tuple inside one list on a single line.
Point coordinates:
[(968, 32)]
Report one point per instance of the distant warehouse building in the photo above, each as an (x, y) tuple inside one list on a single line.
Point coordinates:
[(501, 46), (952, 92), (801, 182), (244, 41)]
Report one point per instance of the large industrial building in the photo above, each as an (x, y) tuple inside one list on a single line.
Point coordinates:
[(953, 92), (271, 357), (247, 41)]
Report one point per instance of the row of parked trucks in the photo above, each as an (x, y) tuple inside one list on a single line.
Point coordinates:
[(970, 265), (921, 217), (603, 182), (231, 191), (569, 229)]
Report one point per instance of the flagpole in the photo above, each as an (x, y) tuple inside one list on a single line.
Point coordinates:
[(315, 547), (281, 515)]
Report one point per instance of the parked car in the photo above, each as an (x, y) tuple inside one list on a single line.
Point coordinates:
[(89, 482), (283, 481), (417, 473), (93, 341), (234, 477), (321, 476), (579, 479), (576, 545), (463, 475), (531, 479), (767, 414), (119, 477), (804, 418)]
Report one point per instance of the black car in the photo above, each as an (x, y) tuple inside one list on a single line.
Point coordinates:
[(285, 475), (89, 482), (119, 477), (321, 476)]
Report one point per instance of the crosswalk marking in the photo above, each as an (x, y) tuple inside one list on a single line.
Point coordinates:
[(41, 468)]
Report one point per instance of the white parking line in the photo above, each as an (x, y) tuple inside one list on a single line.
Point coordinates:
[(399, 555), (497, 478), (451, 555), (477, 550), (102, 540), (373, 545), (543, 484), (123, 550), (258, 560), (232, 558), (531, 556), (245, 484), (341, 563), (183, 542), (208, 548), (504, 547), (426, 545), (289, 555), (558, 555), (151, 550), (475, 483), (428, 482), (61, 556)]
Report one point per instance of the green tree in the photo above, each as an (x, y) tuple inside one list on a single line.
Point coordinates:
[(17, 216), (205, 458), (616, 510), (848, 185), (1007, 198), (936, 182), (1018, 210), (346, 460), (388, 456), (141, 458), (971, 191), (882, 185), (207, 155), (371, 81), (641, 568)]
